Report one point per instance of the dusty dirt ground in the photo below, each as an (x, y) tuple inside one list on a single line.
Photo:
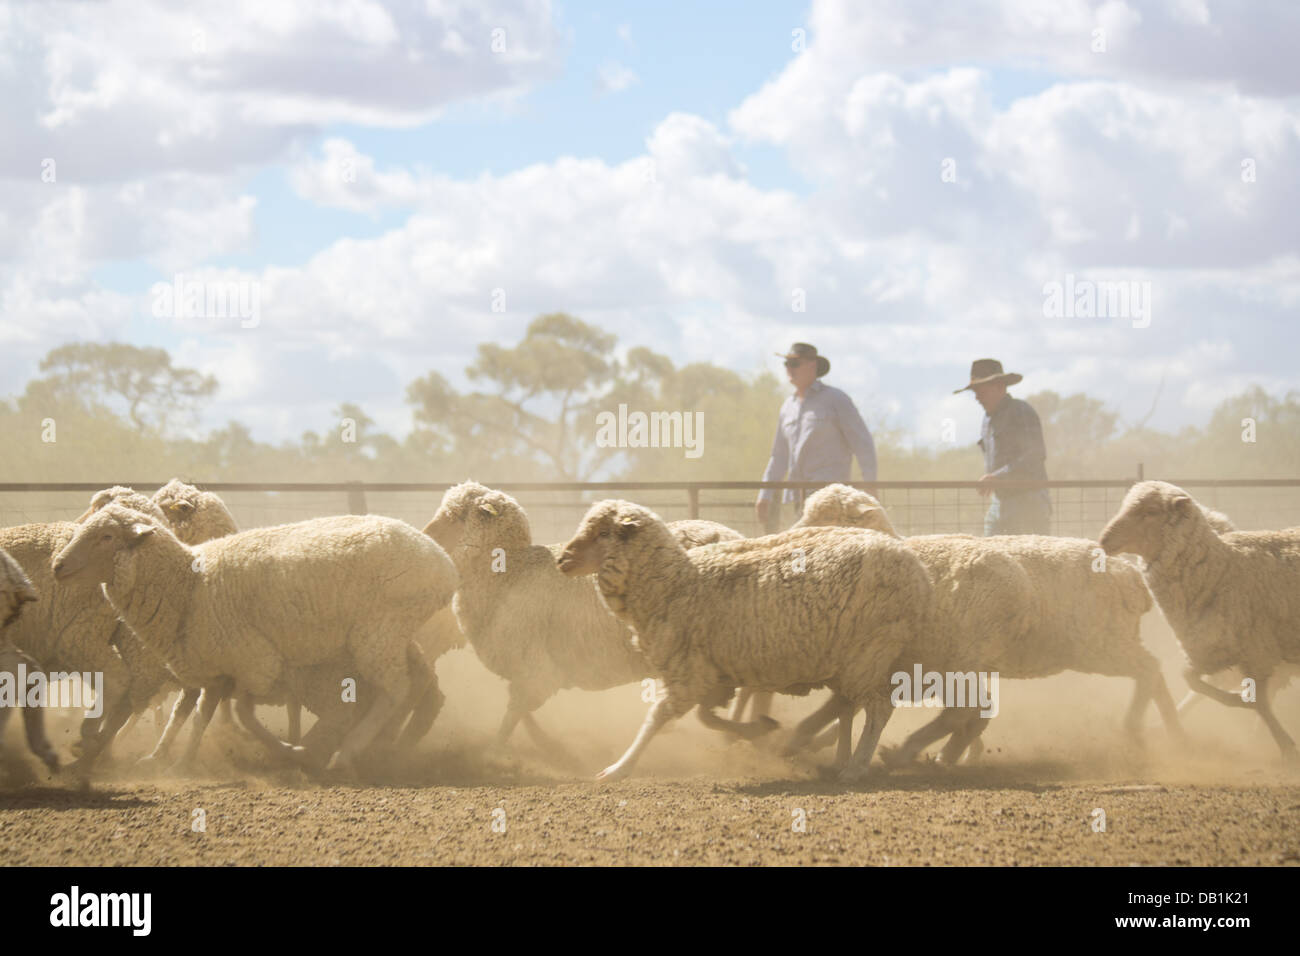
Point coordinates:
[(1055, 755)]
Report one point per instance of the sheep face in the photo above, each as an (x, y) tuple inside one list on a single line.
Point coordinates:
[(474, 516), (1150, 510), (91, 554), (839, 506), (608, 526), (15, 589), (181, 505)]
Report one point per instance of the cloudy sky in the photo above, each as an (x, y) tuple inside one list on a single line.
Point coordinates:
[(379, 174)]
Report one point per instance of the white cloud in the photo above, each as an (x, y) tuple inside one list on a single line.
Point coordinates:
[(615, 77)]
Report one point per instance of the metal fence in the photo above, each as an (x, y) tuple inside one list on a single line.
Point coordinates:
[(1079, 508)]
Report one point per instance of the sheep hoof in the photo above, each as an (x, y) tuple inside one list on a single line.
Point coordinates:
[(610, 773), (853, 773), (51, 761)]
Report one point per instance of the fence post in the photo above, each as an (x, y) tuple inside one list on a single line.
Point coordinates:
[(694, 494), (1141, 471), (356, 498)]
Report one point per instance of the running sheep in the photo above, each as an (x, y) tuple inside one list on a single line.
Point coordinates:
[(1233, 599), (527, 622), (1068, 608), (788, 613), (258, 606), (73, 629)]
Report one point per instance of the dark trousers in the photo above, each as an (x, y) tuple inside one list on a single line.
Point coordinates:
[(1018, 514)]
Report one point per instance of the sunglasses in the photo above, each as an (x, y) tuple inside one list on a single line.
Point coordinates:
[(794, 362)]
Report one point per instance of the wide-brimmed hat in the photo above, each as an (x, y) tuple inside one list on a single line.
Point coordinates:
[(988, 370), (802, 350)]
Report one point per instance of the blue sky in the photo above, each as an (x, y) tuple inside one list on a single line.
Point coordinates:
[(816, 170)]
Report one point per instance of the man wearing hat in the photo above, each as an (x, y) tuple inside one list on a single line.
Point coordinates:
[(818, 433), (1012, 440)]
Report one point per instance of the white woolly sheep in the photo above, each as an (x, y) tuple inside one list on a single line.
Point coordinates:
[(256, 605), (1064, 610), (791, 612), (194, 516), (1233, 600), (16, 591), (527, 622), (72, 628)]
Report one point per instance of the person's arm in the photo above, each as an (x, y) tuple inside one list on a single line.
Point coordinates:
[(858, 437), (778, 463), (1029, 439)]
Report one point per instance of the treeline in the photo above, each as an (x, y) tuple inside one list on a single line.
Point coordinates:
[(101, 412)]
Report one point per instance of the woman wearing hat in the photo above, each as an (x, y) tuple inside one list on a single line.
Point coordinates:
[(1012, 440), (818, 433)]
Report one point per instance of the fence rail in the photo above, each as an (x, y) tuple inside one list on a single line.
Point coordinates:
[(1079, 508)]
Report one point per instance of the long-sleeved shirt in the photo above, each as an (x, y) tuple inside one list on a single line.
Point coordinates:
[(817, 438), (1012, 441)]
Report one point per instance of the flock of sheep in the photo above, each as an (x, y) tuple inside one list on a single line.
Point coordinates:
[(345, 616)]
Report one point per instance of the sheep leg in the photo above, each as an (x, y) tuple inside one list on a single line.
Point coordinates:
[(655, 718), (1190, 701), (948, 722), (37, 742), (276, 746), (295, 721), (879, 711), (1198, 684), (426, 712), (209, 698), (762, 704), (181, 711), (95, 733), (803, 734), (1274, 726), (360, 736), (746, 730), (1159, 692), (514, 713), (738, 705), (550, 746), (968, 730)]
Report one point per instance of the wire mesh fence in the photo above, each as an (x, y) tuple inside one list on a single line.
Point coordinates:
[(1079, 509)]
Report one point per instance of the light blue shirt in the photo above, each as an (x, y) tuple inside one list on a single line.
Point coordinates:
[(816, 440)]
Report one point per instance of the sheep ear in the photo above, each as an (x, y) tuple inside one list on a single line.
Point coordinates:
[(140, 531), (1183, 504), (180, 507), (488, 508)]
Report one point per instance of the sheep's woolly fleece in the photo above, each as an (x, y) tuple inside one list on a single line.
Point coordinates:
[(1023, 605), (15, 589), (813, 607), (1231, 599), (526, 622), (249, 605)]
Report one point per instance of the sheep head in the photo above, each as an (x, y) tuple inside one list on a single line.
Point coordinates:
[(607, 528), (1150, 510), (122, 495), (839, 506), (183, 505), (475, 516), (91, 555), (15, 589)]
